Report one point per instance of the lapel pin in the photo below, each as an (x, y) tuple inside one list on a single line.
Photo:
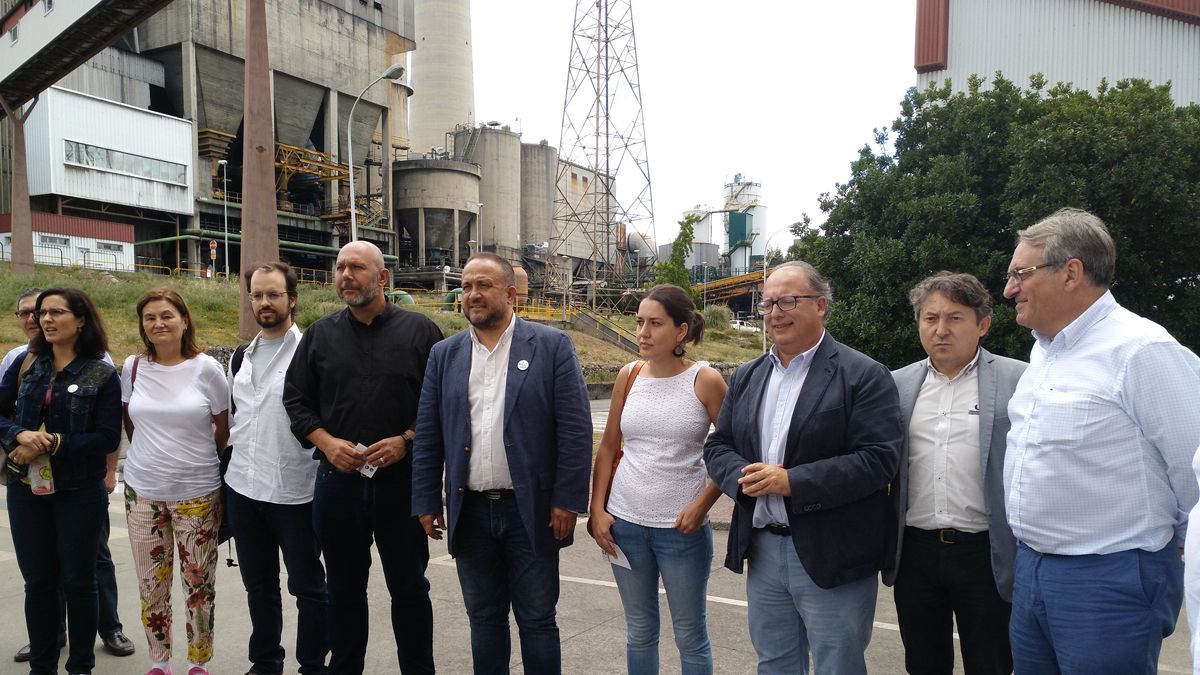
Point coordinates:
[(72, 389), (522, 365)]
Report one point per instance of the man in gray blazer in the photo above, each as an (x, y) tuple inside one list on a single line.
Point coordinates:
[(954, 550)]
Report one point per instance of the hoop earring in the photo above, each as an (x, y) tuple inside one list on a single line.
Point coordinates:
[(678, 351)]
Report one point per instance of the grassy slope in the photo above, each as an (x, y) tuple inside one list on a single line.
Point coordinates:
[(214, 306)]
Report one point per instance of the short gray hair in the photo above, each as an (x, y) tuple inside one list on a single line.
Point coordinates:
[(26, 294), (1074, 233), (964, 289), (816, 283)]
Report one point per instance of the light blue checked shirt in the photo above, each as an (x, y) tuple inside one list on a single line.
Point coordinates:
[(1104, 424)]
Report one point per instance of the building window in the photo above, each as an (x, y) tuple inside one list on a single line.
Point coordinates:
[(106, 246), (104, 159), (48, 5), (12, 34), (51, 240)]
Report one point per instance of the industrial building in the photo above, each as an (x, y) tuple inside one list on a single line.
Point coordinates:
[(1076, 41), (152, 128)]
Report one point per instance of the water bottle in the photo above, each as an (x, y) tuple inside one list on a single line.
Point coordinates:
[(41, 477)]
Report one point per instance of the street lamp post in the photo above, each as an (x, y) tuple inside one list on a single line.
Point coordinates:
[(481, 227), (637, 270), (567, 288), (704, 288), (393, 72), (225, 206), (471, 247)]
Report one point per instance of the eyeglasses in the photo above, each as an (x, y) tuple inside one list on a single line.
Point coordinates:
[(23, 314), (785, 304), (269, 295), (53, 313), (1023, 273)]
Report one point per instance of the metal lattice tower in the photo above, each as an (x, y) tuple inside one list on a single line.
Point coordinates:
[(603, 182)]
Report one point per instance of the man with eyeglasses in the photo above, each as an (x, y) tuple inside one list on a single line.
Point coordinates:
[(806, 444), (112, 633), (1097, 476), (953, 555), (270, 481)]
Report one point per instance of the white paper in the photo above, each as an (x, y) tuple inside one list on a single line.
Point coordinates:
[(367, 469), (619, 559)]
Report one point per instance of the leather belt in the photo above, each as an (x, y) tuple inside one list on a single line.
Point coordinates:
[(781, 530), (494, 495), (946, 535)]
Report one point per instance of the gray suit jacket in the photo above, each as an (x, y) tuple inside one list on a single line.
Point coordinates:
[(997, 379)]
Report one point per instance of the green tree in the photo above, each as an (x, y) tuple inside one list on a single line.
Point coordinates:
[(674, 270), (969, 169)]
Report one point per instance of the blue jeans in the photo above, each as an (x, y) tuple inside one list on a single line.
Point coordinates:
[(1093, 613), (498, 568), (349, 513), (262, 530), (56, 537), (684, 562), (790, 615)]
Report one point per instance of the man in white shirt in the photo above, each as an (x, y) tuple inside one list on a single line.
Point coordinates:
[(270, 481), (504, 414), (1097, 478), (954, 550), (111, 631)]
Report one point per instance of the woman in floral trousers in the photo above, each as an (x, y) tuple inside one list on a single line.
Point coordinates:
[(176, 415)]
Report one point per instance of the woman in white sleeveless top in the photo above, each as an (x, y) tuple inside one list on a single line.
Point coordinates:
[(657, 510)]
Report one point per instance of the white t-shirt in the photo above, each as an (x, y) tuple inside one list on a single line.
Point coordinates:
[(173, 455)]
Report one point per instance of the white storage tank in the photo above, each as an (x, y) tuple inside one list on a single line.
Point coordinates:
[(497, 152)]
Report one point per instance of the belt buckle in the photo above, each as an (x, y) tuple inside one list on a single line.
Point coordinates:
[(494, 495), (942, 536)]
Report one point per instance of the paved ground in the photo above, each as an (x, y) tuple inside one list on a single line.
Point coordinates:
[(590, 616)]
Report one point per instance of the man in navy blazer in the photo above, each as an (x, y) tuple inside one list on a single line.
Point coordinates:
[(504, 411), (806, 444), (952, 563)]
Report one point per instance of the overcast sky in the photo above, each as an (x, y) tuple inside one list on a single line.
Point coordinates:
[(783, 91)]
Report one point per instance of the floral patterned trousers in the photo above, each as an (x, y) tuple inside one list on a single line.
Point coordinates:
[(156, 528)]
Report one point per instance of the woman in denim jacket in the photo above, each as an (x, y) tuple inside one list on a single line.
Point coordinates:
[(63, 401)]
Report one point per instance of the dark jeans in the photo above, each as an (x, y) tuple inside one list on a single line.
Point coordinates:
[(262, 530), (56, 538), (940, 584), (497, 568), (349, 512), (106, 588)]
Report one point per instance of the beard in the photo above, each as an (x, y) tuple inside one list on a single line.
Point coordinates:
[(365, 296), (275, 320), (485, 318)]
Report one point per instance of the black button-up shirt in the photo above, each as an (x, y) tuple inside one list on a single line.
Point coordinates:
[(360, 382)]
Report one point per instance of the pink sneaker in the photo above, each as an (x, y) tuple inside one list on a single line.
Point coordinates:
[(159, 671), (196, 670)]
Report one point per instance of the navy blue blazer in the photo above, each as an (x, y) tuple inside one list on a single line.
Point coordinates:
[(547, 430), (842, 450)]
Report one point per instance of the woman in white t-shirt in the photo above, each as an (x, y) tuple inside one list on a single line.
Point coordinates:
[(660, 495), (176, 415)]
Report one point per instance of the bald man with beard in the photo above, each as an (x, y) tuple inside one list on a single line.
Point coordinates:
[(351, 393)]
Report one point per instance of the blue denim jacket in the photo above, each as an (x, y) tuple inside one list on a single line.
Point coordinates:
[(85, 407)]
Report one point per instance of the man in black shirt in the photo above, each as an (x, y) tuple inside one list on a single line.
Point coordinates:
[(353, 384)]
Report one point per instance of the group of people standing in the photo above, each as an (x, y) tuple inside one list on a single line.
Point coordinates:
[(1038, 509)]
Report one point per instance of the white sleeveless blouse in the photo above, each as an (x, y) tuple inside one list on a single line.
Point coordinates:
[(664, 426)]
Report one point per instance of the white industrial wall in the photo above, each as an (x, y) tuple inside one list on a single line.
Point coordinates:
[(1077, 41), (63, 115), (48, 249), (37, 28)]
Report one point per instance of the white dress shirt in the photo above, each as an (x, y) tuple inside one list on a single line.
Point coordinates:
[(488, 463), (1104, 427), (945, 472), (778, 404), (268, 464)]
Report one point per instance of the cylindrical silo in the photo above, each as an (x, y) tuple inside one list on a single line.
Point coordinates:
[(442, 72), (539, 170), (497, 152)]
